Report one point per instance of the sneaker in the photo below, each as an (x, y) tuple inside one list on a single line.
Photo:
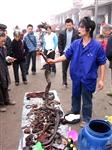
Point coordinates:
[(25, 82), (109, 93), (10, 103), (9, 88), (3, 109), (16, 83), (64, 86)]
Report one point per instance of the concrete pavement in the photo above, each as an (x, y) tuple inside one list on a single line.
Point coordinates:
[(10, 121)]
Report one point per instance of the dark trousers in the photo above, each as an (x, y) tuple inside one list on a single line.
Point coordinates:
[(4, 95), (52, 56), (86, 106), (31, 55), (65, 65), (22, 65)]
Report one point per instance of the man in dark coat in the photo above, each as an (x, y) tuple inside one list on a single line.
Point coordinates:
[(65, 38), (4, 75)]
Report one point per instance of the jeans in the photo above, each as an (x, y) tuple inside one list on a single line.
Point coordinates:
[(22, 65), (86, 106), (31, 55), (65, 65)]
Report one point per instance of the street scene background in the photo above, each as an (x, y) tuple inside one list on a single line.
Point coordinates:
[(54, 13)]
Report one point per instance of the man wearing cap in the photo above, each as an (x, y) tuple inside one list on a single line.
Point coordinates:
[(4, 76), (8, 40), (3, 27)]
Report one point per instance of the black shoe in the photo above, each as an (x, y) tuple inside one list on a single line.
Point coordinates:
[(33, 73), (10, 103), (54, 71), (16, 83), (25, 82)]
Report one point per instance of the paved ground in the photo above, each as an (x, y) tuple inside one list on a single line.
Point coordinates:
[(10, 121)]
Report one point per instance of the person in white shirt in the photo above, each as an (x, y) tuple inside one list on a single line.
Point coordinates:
[(50, 42)]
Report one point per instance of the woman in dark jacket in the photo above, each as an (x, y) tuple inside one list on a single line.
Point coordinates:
[(19, 53)]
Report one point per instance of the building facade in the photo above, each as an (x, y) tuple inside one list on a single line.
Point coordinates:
[(73, 13), (104, 13), (81, 9)]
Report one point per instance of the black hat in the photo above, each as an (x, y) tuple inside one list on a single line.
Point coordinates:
[(3, 27)]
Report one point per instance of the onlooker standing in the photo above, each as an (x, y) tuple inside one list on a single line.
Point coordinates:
[(8, 48), (39, 37), (7, 42), (4, 75), (101, 39), (19, 53), (65, 38), (23, 33), (7, 45), (50, 42), (107, 31), (31, 45), (86, 55)]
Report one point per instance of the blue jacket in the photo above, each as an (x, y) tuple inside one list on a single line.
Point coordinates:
[(30, 41), (84, 64)]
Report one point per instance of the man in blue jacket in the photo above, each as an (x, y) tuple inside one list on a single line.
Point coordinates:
[(86, 55), (31, 45)]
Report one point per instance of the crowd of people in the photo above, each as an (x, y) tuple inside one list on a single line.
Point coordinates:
[(78, 49)]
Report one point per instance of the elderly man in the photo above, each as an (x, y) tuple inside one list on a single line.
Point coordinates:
[(107, 31)]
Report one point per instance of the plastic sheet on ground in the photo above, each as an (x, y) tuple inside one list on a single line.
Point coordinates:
[(39, 101)]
